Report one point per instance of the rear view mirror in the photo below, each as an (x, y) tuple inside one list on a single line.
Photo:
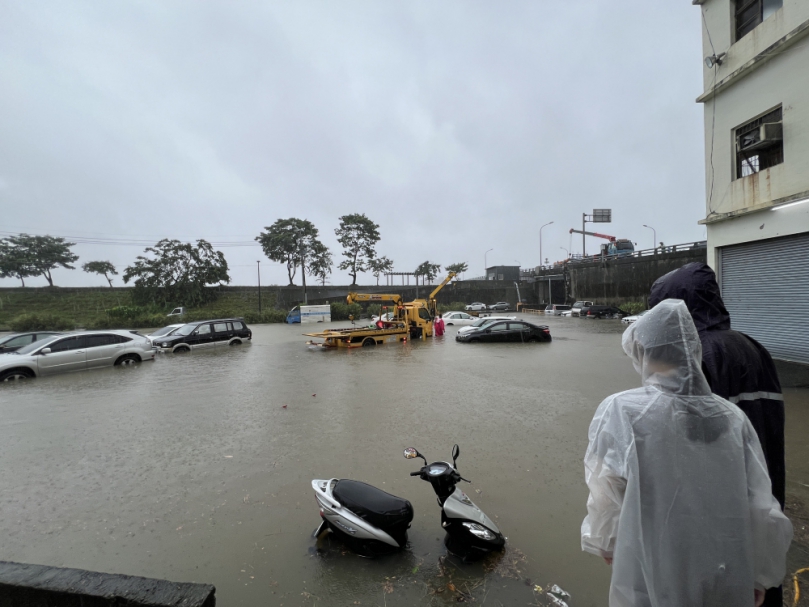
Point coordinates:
[(410, 453), (456, 451), (45, 351)]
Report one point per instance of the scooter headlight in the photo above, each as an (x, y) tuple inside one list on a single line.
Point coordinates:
[(479, 531)]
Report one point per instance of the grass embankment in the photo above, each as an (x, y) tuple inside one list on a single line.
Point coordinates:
[(63, 309)]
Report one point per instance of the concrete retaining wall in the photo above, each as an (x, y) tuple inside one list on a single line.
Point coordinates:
[(23, 585)]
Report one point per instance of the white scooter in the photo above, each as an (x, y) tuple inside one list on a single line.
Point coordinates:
[(372, 522)]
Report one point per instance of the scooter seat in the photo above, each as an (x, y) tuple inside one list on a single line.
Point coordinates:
[(373, 505)]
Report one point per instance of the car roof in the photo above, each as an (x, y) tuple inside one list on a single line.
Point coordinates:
[(202, 322)]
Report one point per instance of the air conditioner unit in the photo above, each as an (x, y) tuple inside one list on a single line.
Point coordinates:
[(764, 136)]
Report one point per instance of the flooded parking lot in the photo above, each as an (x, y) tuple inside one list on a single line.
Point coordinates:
[(198, 467)]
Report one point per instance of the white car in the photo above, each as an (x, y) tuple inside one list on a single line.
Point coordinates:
[(164, 332), (458, 318), (476, 307), (386, 317), (484, 321), (79, 351), (630, 319)]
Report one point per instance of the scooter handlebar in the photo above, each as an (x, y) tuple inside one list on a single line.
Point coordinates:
[(416, 473)]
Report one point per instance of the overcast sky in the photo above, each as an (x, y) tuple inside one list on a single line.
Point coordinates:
[(456, 126)]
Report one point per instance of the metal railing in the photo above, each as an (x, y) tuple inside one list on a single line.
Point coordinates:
[(665, 250)]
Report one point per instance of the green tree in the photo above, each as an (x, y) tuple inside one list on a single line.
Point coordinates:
[(178, 272), (281, 242), (41, 254), (379, 266), (14, 262), (428, 271), (320, 262), (458, 268), (101, 267), (357, 235)]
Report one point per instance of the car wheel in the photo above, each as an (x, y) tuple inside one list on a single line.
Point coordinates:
[(368, 342), (182, 350), (533, 340), (16, 375), (474, 341), (235, 342), (127, 360)]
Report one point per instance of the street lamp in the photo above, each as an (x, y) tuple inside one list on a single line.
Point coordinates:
[(566, 251), (540, 241), (654, 236), (258, 271), (485, 263)]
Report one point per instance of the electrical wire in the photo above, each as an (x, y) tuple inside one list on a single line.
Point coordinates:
[(713, 110)]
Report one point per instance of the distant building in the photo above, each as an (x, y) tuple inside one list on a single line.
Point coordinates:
[(503, 273), (756, 99)]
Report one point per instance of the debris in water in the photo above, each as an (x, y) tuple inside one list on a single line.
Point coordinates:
[(283, 406), (228, 456), (314, 394), (558, 596), (538, 588)]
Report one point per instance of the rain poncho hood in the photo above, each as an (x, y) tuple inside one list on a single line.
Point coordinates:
[(679, 492), (694, 283)]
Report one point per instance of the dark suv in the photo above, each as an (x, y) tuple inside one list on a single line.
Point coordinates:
[(605, 312), (206, 334)]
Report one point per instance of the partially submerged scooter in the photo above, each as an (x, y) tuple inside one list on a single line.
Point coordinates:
[(470, 533), (373, 523)]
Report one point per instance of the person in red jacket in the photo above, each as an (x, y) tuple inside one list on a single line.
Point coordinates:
[(438, 325)]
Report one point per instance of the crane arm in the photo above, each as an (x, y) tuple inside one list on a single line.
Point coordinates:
[(377, 297), (605, 236), (449, 277)]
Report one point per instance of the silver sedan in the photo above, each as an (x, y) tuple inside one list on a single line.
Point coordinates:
[(77, 351)]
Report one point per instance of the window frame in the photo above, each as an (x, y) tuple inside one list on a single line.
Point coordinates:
[(770, 156)]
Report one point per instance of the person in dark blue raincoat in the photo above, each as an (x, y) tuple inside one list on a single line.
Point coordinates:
[(737, 368)]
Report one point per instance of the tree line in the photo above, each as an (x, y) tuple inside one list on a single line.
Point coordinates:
[(180, 271)]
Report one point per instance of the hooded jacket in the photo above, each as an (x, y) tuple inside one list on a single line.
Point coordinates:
[(679, 491), (737, 367)]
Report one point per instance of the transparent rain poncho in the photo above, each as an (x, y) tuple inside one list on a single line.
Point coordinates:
[(679, 492)]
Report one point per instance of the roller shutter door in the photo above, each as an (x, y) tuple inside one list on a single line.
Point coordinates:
[(765, 286)]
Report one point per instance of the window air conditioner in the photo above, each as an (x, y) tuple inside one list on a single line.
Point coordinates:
[(764, 136)]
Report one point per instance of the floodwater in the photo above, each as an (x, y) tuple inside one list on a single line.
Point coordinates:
[(198, 467)]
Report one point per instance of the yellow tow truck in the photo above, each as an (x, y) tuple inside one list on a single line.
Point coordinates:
[(413, 319)]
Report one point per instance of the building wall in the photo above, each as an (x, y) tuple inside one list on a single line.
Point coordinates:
[(780, 79)]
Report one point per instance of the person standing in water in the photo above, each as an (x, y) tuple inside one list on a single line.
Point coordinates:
[(680, 500), (438, 325)]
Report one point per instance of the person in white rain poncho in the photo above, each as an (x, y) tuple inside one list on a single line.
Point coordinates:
[(680, 502)]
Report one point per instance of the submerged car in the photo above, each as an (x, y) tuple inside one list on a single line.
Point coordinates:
[(630, 319), (510, 331), (15, 341), (605, 312), (78, 351), (164, 332), (556, 309), (476, 306), (206, 334), (480, 322), (458, 318), (500, 305)]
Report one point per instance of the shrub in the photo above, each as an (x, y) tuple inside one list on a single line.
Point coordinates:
[(341, 311), (41, 322), (633, 307), (266, 316), (374, 309)]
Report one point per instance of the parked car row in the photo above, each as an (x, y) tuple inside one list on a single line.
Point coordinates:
[(29, 355), (478, 306)]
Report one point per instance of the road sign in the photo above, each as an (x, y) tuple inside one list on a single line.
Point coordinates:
[(602, 215)]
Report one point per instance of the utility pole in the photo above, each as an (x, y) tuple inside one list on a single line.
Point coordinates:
[(654, 236), (540, 241), (258, 268)]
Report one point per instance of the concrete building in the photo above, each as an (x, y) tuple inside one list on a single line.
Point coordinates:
[(756, 99), (503, 273)]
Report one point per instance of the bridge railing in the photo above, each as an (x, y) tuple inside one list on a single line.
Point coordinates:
[(664, 250)]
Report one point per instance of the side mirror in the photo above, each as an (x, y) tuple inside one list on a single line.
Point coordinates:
[(411, 453), (456, 451), (488, 331), (45, 351)]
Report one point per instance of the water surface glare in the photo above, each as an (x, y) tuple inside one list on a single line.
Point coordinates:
[(192, 469)]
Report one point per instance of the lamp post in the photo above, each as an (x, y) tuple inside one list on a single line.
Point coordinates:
[(258, 271), (485, 263), (566, 251), (654, 236), (540, 241)]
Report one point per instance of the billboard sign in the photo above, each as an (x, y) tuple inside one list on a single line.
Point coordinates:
[(602, 215)]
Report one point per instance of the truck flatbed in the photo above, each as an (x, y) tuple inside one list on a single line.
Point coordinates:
[(358, 337)]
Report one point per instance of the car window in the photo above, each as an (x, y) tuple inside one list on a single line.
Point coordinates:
[(18, 342), (238, 326), (424, 314), (464, 316), (204, 329), (69, 343), (185, 330), (220, 327), (516, 326), (500, 326), (94, 341)]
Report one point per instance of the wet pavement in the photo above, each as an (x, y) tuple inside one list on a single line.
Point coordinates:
[(198, 467)]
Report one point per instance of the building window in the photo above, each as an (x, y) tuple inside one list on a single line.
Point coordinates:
[(749, 13), (759, 144)]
